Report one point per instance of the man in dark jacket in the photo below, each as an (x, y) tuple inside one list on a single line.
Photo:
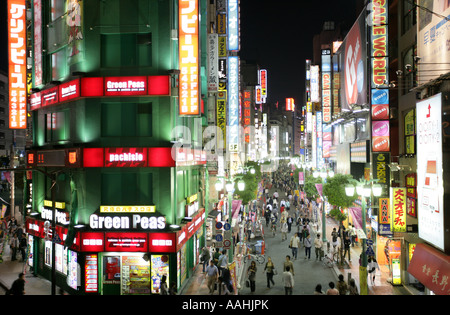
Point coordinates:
[(18, 286)]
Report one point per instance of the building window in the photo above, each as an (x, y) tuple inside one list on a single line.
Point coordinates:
[(57, 127), (126, 120), (126, 50), (409, 70), (127, 188), (409, 15)]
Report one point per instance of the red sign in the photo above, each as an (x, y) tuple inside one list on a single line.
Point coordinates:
[(69, 90), (93, 242), (126, 242), (35, 101), (125, 86), (125, 157), (162, 242), (92, 87), (49, 96), (432, 268)]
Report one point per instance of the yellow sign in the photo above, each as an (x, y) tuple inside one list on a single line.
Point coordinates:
[(398, 221), (127, 209), (363, 280), (192, 198), (58, 205)]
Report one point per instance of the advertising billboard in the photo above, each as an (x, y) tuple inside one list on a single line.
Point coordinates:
[(433, 32), (233, 25), (353, 54), (233, 103), (189, 94), (430, 186), (17, 64)]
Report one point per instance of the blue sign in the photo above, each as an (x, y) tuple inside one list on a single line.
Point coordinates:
[(219, 238), (227, 226)]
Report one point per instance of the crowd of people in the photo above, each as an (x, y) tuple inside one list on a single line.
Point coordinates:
[(13, 235), (289, 210)]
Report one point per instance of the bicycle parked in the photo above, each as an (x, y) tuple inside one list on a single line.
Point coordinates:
[(253, 255)]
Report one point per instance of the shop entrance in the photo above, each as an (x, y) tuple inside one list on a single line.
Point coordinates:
[(132, 273)]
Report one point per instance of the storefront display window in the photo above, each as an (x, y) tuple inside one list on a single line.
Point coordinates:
[(135, 275)]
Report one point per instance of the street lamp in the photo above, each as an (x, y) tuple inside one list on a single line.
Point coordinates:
[(364, 190), (241, 185), (218, 185), (229, 186)]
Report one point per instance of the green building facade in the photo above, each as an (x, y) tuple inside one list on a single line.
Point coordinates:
[(104, 107)]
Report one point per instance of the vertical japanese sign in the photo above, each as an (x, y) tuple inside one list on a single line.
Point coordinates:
[(247, 114), (17, 67), (213, 62), (233, 25), (188, 54), (383, 216), (37, 12), (222, 118), (290, 105), (326, 96), (430, 182), (379, 76), (263, 84), (314, 73), (233, 103), (398, 210)]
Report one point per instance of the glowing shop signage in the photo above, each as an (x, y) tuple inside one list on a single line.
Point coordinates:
[(125, 157), (188, 58), (326, 96), (125, 86), (127, 209), (134, 222), (399, 209), (233, 103), (233, 25), (69, 90), (17, 61)]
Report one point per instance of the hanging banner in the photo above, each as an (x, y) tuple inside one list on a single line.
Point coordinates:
[(233, 103)]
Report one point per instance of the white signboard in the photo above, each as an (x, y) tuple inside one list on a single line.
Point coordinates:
[(430, 188), (432, 39), (213, 62)]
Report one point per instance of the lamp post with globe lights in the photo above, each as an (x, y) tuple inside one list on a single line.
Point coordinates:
[(364, 189)]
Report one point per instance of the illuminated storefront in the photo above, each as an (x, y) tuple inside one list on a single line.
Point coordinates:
[(117, 254)]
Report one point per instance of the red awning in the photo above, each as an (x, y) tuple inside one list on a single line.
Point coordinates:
[(432, 268)]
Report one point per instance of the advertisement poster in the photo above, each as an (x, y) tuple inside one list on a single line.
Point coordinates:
[(430, 188), (353, 53), (398, 198), (160, 267), (135, 275)]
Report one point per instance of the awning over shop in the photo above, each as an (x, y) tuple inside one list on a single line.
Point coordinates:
[(432, 268)]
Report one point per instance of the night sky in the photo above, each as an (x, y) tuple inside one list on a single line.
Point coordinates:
[(278, 35)]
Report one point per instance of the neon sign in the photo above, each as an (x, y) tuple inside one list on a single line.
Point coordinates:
[(17, 64), (188, 57), (136, 222)]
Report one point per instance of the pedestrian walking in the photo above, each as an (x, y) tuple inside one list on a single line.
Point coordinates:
[(288, 263), (251, 275), (318, 243), (332, 290), (295, 241), (270, 271), (289, 222), (341, 285), (307, 242), (288, 281), (223, 261), (347, 243), (212, 275), (18, 286), (14, 246), (372, 265), (352, 232), (205, 257), (334, 239), (352, 289), (284, 230)]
